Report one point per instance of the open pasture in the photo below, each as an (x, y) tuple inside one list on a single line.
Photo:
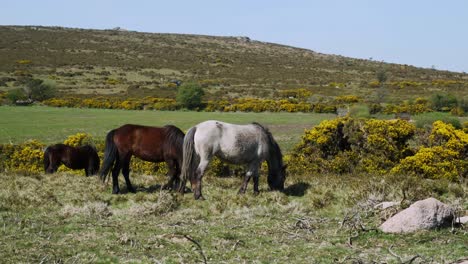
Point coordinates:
[(53, 125), (65, 218), (320, 218)]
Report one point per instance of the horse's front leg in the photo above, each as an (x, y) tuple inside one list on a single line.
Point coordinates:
[(245, 182), (252, 171), (55, 167), (87, 169), (173, 174)]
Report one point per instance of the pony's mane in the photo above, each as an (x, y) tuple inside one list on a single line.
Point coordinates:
[(175, 136), (271, 140)]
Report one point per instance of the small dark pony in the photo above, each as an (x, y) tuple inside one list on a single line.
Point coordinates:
[(154, 144), (84, 157)]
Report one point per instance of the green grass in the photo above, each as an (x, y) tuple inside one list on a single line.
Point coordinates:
[(66, 218), (53, 125), (71, 219), (426, 119)]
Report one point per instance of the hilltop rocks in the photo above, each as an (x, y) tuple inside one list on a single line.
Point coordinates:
[(425, 214)]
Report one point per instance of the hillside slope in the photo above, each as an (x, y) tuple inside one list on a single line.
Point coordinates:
[(85, 61)]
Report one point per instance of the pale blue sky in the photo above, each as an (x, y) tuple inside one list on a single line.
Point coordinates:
[(416, 32)]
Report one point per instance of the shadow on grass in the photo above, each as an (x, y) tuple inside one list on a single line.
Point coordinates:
[(297, 189), (150, 189), (154, 188)]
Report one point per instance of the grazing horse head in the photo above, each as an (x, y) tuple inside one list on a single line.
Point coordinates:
[(238, 144), (93, 159), (276, 169)]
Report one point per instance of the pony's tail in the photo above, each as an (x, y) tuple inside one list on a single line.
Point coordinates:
[(46, 159), (110, 155), (188, 155)]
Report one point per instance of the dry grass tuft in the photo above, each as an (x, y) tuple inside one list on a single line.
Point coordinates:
[(165, 203), (93, 209)]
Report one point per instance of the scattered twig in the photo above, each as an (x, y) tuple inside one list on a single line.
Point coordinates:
[(355, 260), (412, 259), (350, 239), (395, 255), (346, 218), (295, 234), (238, 242), (409, 261), (199, 247), (43, 260)]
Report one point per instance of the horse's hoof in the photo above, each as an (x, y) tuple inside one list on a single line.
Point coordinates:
[(199, 197), (241, 192)]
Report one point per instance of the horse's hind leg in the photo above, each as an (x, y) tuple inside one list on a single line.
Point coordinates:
[(197, 179), (115, 177), (126, 173), (252, 171)]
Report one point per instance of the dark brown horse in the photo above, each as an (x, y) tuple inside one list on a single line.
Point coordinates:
[(84, 157), (154, 144)]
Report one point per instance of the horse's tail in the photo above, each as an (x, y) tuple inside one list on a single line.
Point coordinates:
[(188, 155), (46, 159), (110, 155)]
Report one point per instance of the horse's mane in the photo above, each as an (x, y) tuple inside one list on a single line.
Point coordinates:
[(271, 140), (175, 136)]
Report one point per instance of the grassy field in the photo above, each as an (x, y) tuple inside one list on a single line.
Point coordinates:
[(65, 218), (53, 125)]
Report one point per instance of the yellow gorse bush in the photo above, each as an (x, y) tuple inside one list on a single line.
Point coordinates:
[(435, 162), (345, 145), (447, 135), (347, 99), (79, 139), (300, 93), (115, 103), (148, 168), (446, 157), (23, 158)]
